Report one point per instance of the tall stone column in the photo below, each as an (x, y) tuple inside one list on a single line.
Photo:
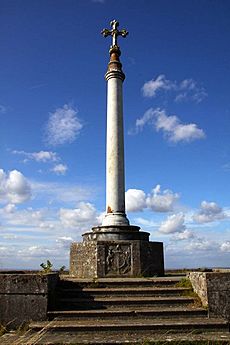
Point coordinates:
[(115, 167), (115, 248)]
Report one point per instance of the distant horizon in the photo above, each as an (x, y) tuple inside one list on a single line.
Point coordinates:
[(166, 269)]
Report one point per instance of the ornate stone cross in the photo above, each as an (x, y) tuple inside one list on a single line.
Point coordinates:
[(114, 32)]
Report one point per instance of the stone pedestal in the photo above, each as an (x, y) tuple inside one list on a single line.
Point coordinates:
[(109, 251)]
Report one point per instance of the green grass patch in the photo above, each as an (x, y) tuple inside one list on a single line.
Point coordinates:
[(184, 282)]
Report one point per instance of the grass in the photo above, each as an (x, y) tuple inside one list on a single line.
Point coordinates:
[(3, 330), (20, 330), (185, 342), (184, 282)]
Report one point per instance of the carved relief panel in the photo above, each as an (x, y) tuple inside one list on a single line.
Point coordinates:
[(118, 259)]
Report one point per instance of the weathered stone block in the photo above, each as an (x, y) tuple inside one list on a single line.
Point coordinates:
[(25, 297), (214, 291), (83, 259), (95, 259)]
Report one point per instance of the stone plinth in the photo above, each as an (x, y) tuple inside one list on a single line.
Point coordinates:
[(112, 252), (25, 297)]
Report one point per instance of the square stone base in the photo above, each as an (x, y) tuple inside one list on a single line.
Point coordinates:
[(134, 258)]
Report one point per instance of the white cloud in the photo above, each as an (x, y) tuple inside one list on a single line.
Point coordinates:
[(147, 118), (161, 201), (10, 208), (189, 90), (9, 237), (170, 125), (53, 192), (26, 217), (60, 169), (135, 200), (185, 235), (173, 224), (64, 241), (41, 156), (100, 217), (31, 256), (186, 90), (225, 247), (158, 201), (63, 126), (209, 212), (37, 251), (151, 87), (85, 213), (201, 244), (47, 225), (14, 188)]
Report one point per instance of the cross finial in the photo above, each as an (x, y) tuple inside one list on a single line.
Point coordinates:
[(114, 32)]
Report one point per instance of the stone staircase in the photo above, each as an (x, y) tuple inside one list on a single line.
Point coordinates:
[(126, 311)]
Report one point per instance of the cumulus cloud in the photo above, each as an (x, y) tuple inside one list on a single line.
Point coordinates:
[(37, 251), (187, 89), (158, 201), (173, 224), (14, 188), (63, 126), (64, 241), (60, 169), (41, 156), (161, 201), (185, 235), (209, 212), (72, 218), (151, 87), (26, 217), (201, 244), (225, 247), (10, 208), (135, 200), (171, 126)]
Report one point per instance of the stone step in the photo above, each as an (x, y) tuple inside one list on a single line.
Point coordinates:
[(121, 301), (128, 291), (128, 313), (201, 324), (123, 338), (68, 281)]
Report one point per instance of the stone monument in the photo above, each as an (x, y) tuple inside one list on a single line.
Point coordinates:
[(115, 248)]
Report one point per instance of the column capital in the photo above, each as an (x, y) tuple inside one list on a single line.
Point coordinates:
[(114, 73), (114, 66)]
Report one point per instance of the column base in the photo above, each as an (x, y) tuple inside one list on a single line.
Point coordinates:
[(115, 218), (116, 252)]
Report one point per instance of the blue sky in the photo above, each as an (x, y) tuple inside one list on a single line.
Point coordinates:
[(53, 117)]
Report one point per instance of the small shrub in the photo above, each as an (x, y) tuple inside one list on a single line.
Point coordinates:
[(46, 268), (62, 269)]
